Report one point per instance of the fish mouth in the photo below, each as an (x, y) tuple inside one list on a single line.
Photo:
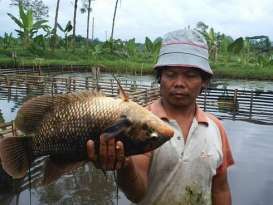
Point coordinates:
[(166, 132), (134, 146), (154, 142)]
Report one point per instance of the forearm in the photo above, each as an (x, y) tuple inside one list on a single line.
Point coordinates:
[(132, 181), (221, 198)]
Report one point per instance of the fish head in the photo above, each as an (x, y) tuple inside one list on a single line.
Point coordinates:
[(145, 123), (133, 146)]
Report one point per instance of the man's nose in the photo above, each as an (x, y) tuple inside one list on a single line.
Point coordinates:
[(180, 80)]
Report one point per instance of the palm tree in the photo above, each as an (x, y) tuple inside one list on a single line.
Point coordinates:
[(87, 7), (56, 24), (75, 19), (114, 18)]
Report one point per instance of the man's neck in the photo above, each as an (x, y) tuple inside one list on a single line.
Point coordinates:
[(182, 114), (179, 111)]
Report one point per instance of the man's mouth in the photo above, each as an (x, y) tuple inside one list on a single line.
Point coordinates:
[(179, 94)]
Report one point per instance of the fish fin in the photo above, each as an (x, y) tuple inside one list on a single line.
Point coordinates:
[(15, 155), (123, 95), (31, 114), (54, 169), (118, 127)]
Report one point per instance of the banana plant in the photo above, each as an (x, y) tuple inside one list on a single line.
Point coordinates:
[(66, 31), (151, 49), (212, 41), (38, 45), (236, 47), (28, 26), (223, 48), (8, 40), (131, 48)]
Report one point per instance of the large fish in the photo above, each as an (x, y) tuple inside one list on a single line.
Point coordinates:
[(60, 125)]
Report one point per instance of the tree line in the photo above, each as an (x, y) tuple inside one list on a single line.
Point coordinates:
[(38, 38)]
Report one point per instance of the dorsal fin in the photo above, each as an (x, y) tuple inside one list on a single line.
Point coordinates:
[(34, 110), (123, 95)]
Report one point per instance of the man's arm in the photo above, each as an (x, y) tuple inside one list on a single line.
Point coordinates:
[(133, 177), (220, 189)]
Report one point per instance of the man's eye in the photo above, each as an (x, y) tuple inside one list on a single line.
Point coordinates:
[(192, 74), (170, 74)]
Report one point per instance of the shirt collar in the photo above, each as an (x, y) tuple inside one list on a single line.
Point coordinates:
[(157, 108)]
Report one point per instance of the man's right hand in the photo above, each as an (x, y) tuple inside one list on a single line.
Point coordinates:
[(111, 153)]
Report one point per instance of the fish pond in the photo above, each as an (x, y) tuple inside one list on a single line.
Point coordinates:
[(250, 178)]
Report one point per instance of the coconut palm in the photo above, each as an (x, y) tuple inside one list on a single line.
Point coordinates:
[(87, 7), (75, 19), (55, 24), (114, 19)]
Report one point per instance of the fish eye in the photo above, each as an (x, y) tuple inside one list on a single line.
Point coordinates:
[(154, 134), (147, 128)]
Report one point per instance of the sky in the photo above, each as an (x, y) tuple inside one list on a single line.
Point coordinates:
[(153, 18)]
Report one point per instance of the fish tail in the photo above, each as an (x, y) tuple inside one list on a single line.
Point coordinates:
[(15, 155)]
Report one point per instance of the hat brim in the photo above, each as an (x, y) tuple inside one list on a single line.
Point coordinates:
[(183, 60)]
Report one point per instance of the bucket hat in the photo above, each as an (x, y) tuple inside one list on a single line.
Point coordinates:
[(187, 48)]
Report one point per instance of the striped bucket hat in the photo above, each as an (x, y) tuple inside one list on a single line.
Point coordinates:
[(187, 48)]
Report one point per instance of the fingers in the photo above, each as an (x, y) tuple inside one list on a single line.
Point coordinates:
[(91, 150), (92, 154), (120, 157), (107, 152), (111, 153)]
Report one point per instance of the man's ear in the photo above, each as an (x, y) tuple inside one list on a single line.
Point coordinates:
[(205, 83)]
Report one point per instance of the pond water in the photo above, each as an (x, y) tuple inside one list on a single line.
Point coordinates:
[(215, 83), (250, 178)]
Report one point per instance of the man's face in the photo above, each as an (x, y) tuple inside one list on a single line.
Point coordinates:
[(180, 86)]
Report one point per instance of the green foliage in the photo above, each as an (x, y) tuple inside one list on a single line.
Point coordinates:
[(28, 27), (236, 46), (2, 120), (8, 41), (38, 46), (131, 47), (202, 27), (151, 49), (68, 28), (250, 57), (40, 10)]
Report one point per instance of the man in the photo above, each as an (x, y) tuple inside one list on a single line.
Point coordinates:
[(191, 168)]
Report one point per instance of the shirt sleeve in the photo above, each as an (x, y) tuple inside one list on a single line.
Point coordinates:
[(227, 154)]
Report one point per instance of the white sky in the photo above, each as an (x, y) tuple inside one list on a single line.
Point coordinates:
[(153, 18)]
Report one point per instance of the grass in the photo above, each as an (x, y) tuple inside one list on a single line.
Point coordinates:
[(138, 65)]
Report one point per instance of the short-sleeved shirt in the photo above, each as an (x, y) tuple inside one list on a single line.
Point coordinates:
[(181, 172)]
